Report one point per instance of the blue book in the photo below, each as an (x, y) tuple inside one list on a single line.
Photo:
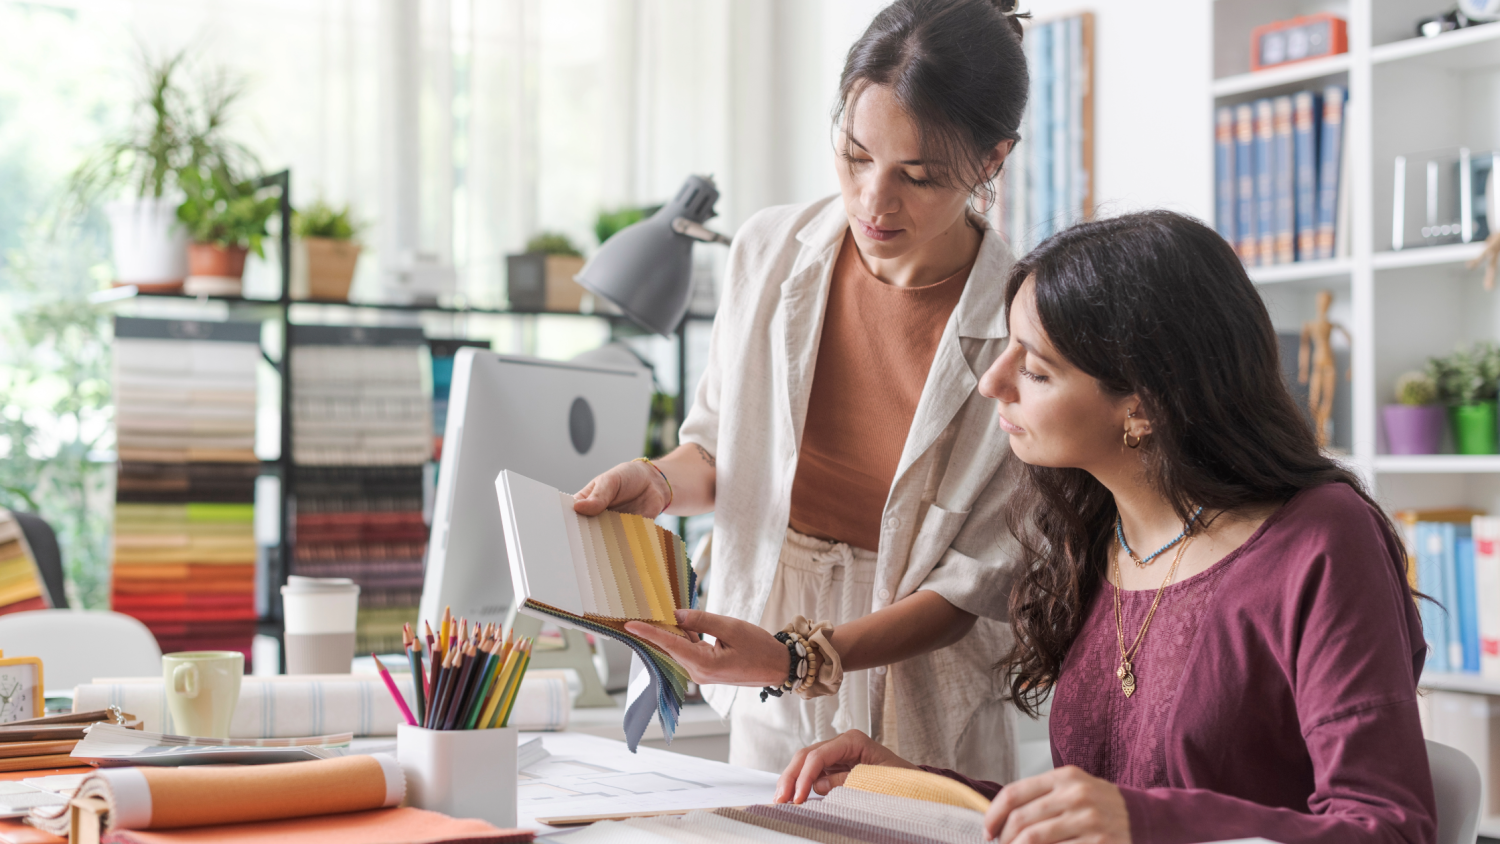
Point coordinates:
[(1468, 598), (1224, 184), (1041, 121), (1430, 544), (1283, 182), (1246, 238), (1331, 146), (1265, 182), (1305, 133)]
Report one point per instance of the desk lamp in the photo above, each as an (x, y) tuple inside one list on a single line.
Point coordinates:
[(646, 270)]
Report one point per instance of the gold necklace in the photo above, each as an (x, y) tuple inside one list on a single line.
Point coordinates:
[(1126, 671)]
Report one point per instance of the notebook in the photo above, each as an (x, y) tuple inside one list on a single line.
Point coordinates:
[(595, 573)]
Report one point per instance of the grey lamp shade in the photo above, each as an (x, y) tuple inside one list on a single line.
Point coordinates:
[(646, 269)]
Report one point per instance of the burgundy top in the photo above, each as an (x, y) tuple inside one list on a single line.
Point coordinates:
[(1276, 691)]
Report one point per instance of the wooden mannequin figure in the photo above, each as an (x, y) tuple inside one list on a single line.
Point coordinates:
[(1318, 337)]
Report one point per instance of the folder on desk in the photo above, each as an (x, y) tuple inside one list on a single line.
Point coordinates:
[(595, 573)]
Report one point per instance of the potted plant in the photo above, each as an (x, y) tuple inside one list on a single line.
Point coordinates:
[(1414, 424), (1467, 383), (170, 130), (226, 220), (541, 279), (327, 236)]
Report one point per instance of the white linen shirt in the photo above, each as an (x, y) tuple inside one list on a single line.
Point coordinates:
[(941, 528)]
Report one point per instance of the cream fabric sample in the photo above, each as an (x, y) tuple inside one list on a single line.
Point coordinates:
[(918, 785)]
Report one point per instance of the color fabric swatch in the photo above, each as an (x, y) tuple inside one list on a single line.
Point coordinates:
[(620, 568), (20, 581), (184, 540)]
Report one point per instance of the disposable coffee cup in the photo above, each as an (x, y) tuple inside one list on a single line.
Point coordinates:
[(320, 614)]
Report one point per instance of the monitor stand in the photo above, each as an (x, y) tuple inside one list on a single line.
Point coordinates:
[(575, 654)]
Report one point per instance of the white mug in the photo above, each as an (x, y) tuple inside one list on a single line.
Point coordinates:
[(203, 689)]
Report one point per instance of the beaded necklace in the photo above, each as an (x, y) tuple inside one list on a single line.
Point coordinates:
[(1142, 563)]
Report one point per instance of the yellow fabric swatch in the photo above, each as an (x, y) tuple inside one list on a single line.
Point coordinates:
[(918, 785)]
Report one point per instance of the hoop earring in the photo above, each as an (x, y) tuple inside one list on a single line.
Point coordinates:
[(1133, 445)]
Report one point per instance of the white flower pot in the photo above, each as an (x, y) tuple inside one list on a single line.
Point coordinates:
[(150, 244)]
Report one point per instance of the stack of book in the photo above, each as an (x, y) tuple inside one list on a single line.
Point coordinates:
[(1046, 184), (20, 581), (184, 545), (1454, 559), (1282, 188), (362, 434)]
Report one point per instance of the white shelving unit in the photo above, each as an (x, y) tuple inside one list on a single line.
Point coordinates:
[(1406, 95)]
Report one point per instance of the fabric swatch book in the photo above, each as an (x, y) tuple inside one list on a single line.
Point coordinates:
[(595, 573)]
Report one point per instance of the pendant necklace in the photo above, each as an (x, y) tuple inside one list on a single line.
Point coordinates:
[(1142, 563), (1126, 671)]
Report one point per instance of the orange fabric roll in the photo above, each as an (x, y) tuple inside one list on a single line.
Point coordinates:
[(183, 797)]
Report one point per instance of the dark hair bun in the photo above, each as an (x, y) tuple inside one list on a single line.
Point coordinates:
[(1011, 10), (958, 68)]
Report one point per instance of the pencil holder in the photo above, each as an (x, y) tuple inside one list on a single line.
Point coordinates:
[(460, 773)]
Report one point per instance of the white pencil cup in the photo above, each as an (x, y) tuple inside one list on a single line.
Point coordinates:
[(460, 773)]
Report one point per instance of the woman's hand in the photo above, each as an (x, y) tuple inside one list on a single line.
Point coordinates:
[(819, 767), (741, 655), (1061, 805), (632, 487)]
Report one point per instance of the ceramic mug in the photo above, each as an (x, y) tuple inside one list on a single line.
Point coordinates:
[(203, 689)]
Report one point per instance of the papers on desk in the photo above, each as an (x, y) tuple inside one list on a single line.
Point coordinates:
[(107, 745), (18, 798), (589, 778)]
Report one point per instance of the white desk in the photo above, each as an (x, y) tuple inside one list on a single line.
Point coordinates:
[(700, 732)]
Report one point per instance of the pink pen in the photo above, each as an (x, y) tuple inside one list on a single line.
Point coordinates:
[(395, 693)]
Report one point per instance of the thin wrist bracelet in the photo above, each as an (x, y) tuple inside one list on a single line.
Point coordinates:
[(671, 494)]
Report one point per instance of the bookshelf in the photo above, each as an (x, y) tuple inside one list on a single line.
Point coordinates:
[(287, 314), (1406, 95)]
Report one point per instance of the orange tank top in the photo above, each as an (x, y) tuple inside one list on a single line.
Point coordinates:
[(877, 345)]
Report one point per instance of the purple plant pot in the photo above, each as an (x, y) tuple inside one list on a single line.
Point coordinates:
[(1414, 430)]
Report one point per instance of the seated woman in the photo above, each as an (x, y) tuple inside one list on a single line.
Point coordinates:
[(1219, 611)]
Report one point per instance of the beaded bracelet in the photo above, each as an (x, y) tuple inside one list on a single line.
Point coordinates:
[(803, 661)]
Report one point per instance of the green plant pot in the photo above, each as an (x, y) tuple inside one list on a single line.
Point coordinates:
[(1474, 430)]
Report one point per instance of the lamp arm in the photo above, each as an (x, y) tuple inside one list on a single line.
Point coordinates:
[(697, 231)]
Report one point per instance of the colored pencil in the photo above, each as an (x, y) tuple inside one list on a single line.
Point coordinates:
[(440, 691), (512, 684), (498, 691), (515, 691), (461, 688), (418, 678), (486, 678), (395, 692), (437, 657)]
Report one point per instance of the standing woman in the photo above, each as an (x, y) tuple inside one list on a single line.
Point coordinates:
[(837, 433)]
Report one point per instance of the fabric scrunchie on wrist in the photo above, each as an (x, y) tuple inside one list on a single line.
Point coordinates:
[(830, 673)]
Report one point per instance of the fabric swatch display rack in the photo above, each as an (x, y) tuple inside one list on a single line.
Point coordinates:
[(362, 433), (391, 490), (21, 584), (184, 543)]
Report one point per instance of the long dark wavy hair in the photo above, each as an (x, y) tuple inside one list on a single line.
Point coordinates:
[(1158, 305)]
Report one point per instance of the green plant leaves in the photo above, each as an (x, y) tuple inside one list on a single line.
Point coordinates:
[(224, 212), (1468, 376)]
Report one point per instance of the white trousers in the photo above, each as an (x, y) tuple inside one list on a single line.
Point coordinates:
[(823, 581)]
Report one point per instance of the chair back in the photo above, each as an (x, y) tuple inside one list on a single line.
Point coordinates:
[(43, 541), (77, 646), (1455, 782)]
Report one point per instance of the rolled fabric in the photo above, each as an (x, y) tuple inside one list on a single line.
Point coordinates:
[(312, 705), (173, 798), (831, 671)]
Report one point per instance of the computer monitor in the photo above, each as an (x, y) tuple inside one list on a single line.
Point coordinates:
[(560, 423)]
